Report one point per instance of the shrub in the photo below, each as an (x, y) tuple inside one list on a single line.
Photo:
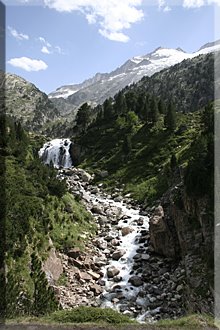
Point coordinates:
[(90, 314)]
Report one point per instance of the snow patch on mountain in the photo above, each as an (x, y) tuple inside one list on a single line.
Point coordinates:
[(103, 85)]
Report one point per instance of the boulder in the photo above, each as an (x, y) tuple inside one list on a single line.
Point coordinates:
[(74, 253), (53, 266), (126, 230), (112, 271), (136, 280), (83, 276), (117, 279), (75, 262), (115, 242), (96, 209), (86, 177), (103, 174), (96, 289), (118, 254), (94, 275), (140, 222), (118, 199), (145, 256)]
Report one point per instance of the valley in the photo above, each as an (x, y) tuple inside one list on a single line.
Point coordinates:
[(119, 214)]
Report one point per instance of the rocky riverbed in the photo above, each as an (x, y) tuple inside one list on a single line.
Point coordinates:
[(119, 268)]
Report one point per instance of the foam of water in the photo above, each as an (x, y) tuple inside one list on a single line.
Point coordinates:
[(56, 152), (125, 263)]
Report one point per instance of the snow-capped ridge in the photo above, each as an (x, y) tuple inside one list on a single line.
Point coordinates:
[(103, 85)]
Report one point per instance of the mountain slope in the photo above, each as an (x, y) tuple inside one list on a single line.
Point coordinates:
[(105, 85), (25, 102), (190, 84)]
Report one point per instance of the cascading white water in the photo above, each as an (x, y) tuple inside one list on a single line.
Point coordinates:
[(129, 244), (56, 152)]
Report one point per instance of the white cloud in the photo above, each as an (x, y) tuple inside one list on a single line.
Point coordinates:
[(28, 64), (199, 3), (193, 3), (45, 50), (44, 41), (17, 35), (162, 4), (116, 36), (59, 50), (113, 16)]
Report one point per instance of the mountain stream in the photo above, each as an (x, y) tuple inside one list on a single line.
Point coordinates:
[(129, 276)]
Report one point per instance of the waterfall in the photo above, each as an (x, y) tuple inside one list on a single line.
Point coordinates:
[(56, 152)]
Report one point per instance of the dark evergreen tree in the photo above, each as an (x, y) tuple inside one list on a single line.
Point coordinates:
[(131, 101), (173, 162), (142, 104), (108, 109), (170, 118), (44, 300), (208, 118), (120, 106), (82, 117), (153, 113), (161, 107), (127, 146)]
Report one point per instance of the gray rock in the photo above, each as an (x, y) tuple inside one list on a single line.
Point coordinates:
[(179, 288), (112, 271), (145, 256), (115, 242), (118, 199), (96, 209), (135, 280), (126, 230), (103, 174), (96, 289), (118, 254), (117, 279)]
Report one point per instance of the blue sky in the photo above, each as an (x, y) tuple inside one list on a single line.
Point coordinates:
[(56, 42)]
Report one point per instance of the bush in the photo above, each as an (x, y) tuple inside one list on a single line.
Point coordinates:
[(90, 314)]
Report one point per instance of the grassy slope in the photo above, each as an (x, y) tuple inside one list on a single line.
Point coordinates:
[(146, 170), (95, 318), (39, 208)]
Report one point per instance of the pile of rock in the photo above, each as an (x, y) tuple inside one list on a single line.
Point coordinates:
[(83, 278)]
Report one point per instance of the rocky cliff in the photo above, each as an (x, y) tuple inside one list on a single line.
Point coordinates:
[(182, 228)]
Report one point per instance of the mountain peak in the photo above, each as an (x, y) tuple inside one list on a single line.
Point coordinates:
[(210, 44), (104, 85), (180, 49)]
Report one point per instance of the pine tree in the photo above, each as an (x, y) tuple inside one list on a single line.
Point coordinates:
[(82, 117), (44, 300), (208, 118), (108, 109), (170, 118), (127, 146), (161, 107), (142, 105), (153, 114), (131, 101), (173, 162), (120, 106)]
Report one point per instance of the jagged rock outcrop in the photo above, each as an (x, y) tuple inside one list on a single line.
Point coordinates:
[(186, 231), (52, 266), (161, 237)]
